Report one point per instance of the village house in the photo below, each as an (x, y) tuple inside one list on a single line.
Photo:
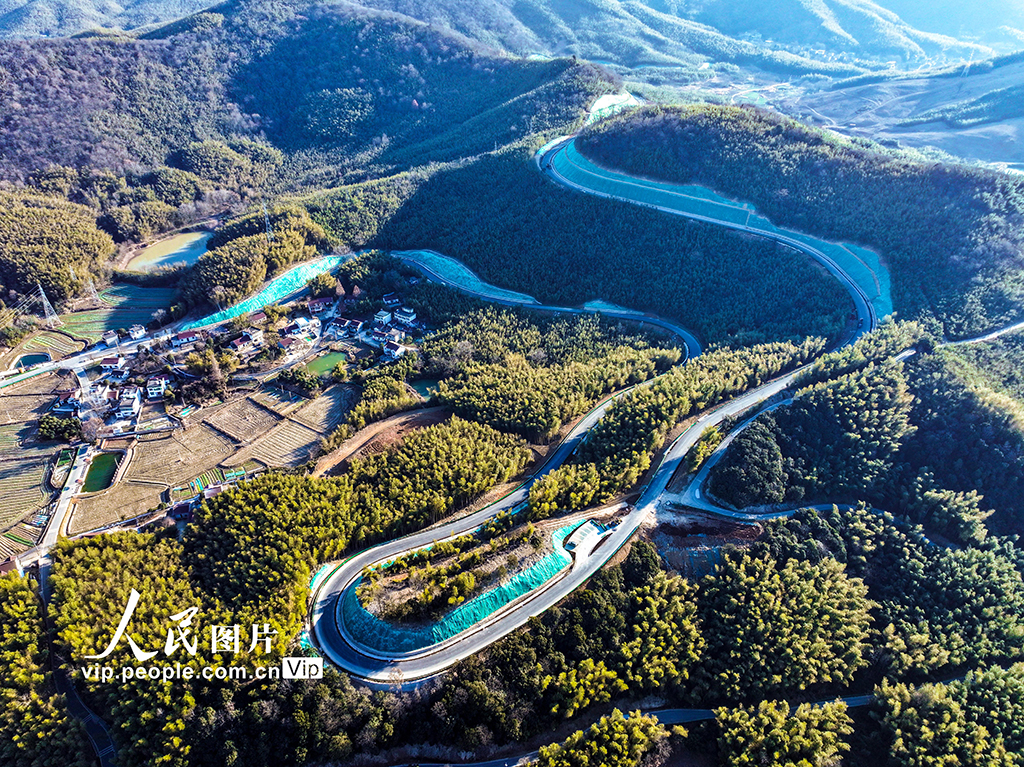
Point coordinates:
[(183, 339), (317, 305), (392, 300), (405, 315), (68, 403), (393, 351), (130, 402), (110, 338), (156, 387), (136, 332), (383, 317), (112, 363)]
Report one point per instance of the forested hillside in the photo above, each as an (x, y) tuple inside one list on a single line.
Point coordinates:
[(578, 248), (41, 237), (948, 233), (929, 439), (789, 37), (391, 90), (248, 560)]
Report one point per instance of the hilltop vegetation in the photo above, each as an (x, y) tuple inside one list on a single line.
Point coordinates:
[(35, 727), (947, 232), (248, 561), (630, 34), (930, 439), (199, 96), (729, 288), (41, 237)]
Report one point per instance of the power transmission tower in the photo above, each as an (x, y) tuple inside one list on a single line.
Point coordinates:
[(266, 222), (52, 320)]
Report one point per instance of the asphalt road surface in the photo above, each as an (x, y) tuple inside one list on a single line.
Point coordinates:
[(406, 669)]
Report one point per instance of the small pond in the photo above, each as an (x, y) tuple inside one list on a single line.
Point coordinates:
[(325, 363), (425, 387), (28, 360), (101, 472)]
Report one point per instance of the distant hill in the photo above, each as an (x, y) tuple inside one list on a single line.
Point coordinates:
[(337, 87), (997, 23), (832, 37), (974, 111), (826, 36), (859, 27), (59, 18)]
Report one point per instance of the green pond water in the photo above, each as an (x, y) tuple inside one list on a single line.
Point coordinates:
[(181, 248), (28, 360), (325, 364), (425, 387), (101, 472)]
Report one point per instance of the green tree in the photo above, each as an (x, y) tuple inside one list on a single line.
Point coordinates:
[(614, 741), (808, 736), (778, 629), (927, 727)]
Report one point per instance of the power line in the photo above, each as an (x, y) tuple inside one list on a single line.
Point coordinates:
[(52, 320)]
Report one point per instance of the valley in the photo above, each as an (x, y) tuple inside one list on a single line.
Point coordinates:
[(632, 384)]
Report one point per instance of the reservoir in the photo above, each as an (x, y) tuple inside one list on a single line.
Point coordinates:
[(179, 249)]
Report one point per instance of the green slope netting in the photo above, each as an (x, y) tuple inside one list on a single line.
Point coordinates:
[(376, 634), (290, 282), (459, 274), (863, 266)]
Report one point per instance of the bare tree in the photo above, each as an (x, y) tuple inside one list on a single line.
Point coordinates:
[(92, 427), (217, 293)]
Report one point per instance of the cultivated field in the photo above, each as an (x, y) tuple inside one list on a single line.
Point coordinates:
[(57, 345), (127, 305), (21, 488), (281, 402), (295, 440), (244, 420), (170, 459), (288, 444), (327, 411), (159, 462), (24, 460)]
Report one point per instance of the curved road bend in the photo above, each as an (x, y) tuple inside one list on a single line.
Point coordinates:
[(380, 669), (693, 347), (376, 668), (865, 311), (666, 716)]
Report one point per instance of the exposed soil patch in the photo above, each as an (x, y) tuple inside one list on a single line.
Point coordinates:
[(377, 437), (691, 542)]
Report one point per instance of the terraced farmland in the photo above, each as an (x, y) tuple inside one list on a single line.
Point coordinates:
[(159, 462), (289, 444), (128, 305), (57, 345), (21, 488), (244, 420), (177, 457), (327, 411), (281, 402), (23, 408)]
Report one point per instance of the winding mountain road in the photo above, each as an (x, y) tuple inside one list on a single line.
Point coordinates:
[(379, 669)]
